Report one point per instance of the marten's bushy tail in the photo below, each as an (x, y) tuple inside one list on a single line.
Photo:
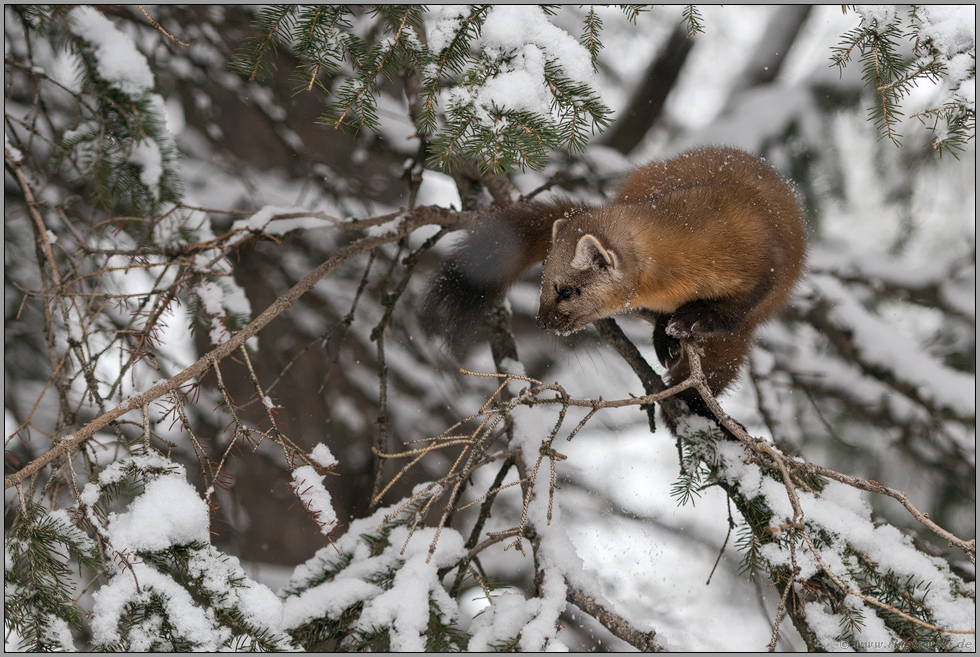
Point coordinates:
[(491, 258)]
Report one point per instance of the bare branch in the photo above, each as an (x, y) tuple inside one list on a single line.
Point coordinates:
[(412, 221), (619, 626)]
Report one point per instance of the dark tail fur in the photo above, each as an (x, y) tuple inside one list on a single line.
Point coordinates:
[(491, 258)]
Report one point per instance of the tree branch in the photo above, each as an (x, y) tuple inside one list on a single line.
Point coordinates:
[(428, 215), (619, 626), (647, 102)]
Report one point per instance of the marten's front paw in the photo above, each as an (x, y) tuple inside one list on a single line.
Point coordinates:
[(690, 326)]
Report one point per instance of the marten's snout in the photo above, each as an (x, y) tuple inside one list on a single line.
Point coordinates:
[(554, 320), (543, 322)]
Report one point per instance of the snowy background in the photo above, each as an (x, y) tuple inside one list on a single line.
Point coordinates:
[(888, 221)]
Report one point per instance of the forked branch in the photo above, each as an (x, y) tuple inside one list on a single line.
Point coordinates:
[(408, 223)]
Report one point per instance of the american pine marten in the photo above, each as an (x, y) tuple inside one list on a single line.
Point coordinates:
[(707, 245)]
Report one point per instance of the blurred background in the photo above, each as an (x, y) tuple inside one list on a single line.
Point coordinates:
[(869, 372)]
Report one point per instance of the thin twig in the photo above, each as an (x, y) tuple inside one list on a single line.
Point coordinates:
[(420, 217), (619, 626), (780, 612), (160, 27)]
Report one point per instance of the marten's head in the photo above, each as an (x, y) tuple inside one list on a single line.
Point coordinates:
[(584, 277)]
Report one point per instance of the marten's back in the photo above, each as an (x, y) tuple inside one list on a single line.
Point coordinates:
[(749, 198), (709, 166)]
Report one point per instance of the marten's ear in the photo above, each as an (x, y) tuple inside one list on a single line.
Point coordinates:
[(555, 227), (590, 254)]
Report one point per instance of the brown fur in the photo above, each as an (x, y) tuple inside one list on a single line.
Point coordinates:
[(708, 245)]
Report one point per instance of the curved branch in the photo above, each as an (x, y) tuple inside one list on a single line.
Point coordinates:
[(616, 624), (762, 447), (698, 381), (428, 215)]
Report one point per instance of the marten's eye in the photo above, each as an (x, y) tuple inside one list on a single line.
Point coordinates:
[(564, 293)]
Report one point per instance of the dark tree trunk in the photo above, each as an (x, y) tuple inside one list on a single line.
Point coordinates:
[(647, 103)]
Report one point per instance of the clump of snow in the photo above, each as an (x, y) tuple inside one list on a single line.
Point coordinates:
[(139, 586), (558, 560), (267, 220), (123, 66), (511, 28), (147, 155), (446, 21), (211, 297), (438, 189), (540, 633), (309, 488), (873, 635), (839, 514), (518, 85), (880, 14), (951, 31), (257, 603), (57, 634), (951, 28), (14, 154), (386, 228), (501, 621), (403, 607), (322, 455), (968, 91), (169, 512), (826, 625), (118, 61), (520, 41), (117, 471), (218, 302), (327, 600)]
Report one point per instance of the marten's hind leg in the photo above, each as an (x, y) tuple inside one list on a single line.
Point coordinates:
[(668, 347), (721, 361)]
